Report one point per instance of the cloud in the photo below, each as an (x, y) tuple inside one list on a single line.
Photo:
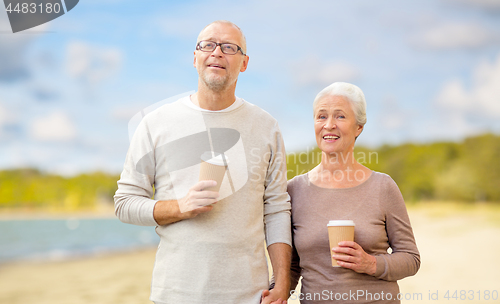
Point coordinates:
[(4, 116), (456, 35), (483, 4), (10, 127), (390, 104), (56, 127), (14, 65), (90, 64), (314, 72), (483, 98), (467, 110), (44, 92), (179, 27), (12, 48)]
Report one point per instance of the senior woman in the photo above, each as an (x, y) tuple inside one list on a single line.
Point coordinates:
[(340, 188)]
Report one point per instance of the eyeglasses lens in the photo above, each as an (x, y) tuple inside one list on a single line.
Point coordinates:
[(226, 48)]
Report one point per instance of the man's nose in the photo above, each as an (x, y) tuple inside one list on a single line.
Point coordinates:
[(217, 51)]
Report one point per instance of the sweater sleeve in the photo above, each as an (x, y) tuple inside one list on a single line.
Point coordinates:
[(276, 199), (295, 271), (133, 203), (404, 260)]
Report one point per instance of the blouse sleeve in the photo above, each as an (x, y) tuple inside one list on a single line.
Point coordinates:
[(404, 260), (295, 265), (294, 269)]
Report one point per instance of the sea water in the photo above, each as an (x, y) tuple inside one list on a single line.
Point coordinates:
[(55, 239)]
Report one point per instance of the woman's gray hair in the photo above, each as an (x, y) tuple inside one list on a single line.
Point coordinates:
[(353, 94)]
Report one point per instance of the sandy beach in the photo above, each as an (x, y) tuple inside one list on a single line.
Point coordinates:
[(459, 248), (459, 253), (118, 278)]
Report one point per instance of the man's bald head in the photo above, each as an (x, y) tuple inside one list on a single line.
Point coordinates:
[(243, 41)]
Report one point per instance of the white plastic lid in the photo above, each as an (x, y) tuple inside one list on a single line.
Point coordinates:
[(214, 158), (341, 223)]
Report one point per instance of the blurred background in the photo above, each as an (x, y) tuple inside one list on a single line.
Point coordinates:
[(430, 71)]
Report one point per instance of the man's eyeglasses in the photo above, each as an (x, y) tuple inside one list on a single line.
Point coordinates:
[(226, 48)]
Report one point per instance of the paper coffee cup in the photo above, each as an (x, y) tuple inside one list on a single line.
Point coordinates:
[(213, 167), (339, 231)]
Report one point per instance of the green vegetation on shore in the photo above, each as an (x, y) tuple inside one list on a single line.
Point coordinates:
[(468, 171), (31, 189)]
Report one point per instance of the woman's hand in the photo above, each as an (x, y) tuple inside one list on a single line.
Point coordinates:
[(356, 258)]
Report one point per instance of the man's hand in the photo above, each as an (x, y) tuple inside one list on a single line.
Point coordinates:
[(280, 256), (267, 298), (195, 202), (197, 197)]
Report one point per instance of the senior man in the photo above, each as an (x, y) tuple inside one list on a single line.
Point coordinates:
[(211, 242)]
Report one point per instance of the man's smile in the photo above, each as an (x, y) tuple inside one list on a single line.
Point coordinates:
[(217, 66)]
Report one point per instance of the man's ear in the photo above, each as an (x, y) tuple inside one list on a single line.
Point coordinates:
[(244, 64), (194, 60)]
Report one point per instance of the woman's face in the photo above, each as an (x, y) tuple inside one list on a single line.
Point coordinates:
[(335, 125)]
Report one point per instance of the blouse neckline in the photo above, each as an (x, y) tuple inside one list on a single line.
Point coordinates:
[(348, 188)]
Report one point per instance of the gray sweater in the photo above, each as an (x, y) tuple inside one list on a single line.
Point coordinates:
[(381, 222), (219, 256)]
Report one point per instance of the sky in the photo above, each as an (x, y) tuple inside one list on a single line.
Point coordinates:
[(429, 69)]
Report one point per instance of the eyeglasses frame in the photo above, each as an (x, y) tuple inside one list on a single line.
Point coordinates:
[(219, 45)]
